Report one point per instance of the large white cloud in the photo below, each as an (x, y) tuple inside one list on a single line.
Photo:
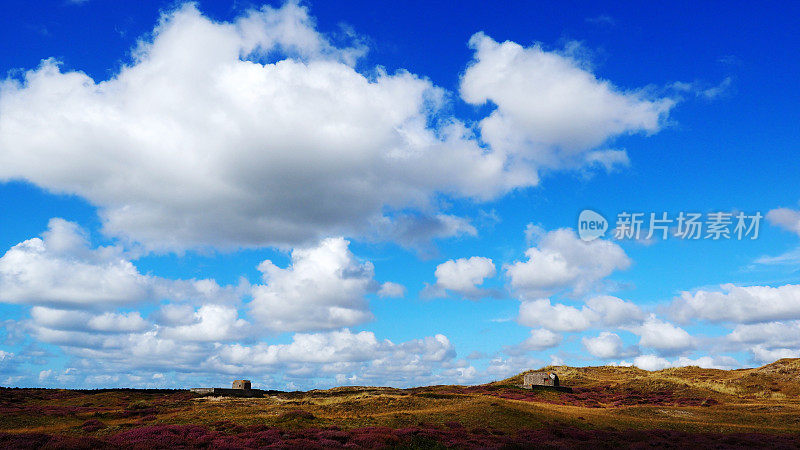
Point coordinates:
[(551, 109), (211, 344), (654, 362), (199, 141), (771, 334), (336, 346), (598, 311), (347, 357), (213, 323), (61, 269), (558, 317), (765, 355), (739, 304), (109, 330), (200, 348), (69, 284), (614, 311), (562, 261), (768, 341), (323, 288), (259, 132), (765, 320), (68, 320)]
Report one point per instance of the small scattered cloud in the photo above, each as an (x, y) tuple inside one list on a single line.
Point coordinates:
[(786, 218), (602, 19), (539, 339), (608, 345), (789, 258), (392, 290), (610, 160), (718, 90), (730, 60), (463, 277), (703, 89)]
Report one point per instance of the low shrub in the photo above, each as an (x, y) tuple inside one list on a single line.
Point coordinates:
[(92, 425)]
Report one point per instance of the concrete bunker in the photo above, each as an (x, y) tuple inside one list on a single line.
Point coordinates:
[(540, 379), (241, 384), (239, 388), (543, 380)]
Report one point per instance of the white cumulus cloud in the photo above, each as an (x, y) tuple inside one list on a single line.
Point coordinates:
[(654, 362), (551, 109), (598, 311), (464, 276), (558, 317), (540, 339), (788, 219), (260, 132), (212, 323), (323, 288), (346, 355), (614, 311), (561, 261), (764, 355), (61, 270), (663, 336), (739, 304), (68, 320), (391, 289), (608, 345), (201, 142)]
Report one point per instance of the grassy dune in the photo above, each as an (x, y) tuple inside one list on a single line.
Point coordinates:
[(616, 406)]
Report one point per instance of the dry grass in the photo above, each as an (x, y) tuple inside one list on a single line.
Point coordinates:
[(683, 400)]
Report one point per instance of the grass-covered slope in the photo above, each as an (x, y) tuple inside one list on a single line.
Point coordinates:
[(780, 379), (621, 406)]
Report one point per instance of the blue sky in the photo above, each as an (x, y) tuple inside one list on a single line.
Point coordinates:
[(317, 194)]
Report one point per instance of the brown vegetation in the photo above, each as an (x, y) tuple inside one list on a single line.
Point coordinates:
[(615, 406)]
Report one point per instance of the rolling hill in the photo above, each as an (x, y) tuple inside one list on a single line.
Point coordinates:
[(609, 406)]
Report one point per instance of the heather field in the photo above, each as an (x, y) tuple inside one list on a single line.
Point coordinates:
[(610, 407)]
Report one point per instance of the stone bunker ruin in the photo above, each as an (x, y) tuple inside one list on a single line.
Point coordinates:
[(241, 384), (543, 380), (539, 379), (240, 388)]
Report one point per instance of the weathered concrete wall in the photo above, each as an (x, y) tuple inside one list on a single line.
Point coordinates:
[(242, 384), (202, 391), (538, 379), (225, 392)]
